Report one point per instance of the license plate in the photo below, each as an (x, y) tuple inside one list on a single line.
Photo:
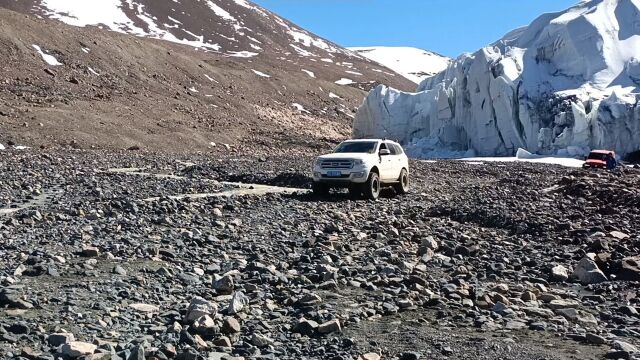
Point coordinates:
[(334, 173)]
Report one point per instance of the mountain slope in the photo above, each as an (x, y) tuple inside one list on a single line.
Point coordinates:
[(413, 63), (567, 83), (173, 76)]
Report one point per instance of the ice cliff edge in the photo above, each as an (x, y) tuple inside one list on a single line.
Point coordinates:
[(567, 83)]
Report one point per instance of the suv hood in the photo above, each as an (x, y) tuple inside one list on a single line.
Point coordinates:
[(345, 156)]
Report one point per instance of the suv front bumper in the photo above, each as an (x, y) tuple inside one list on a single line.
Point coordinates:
[(352, 176)]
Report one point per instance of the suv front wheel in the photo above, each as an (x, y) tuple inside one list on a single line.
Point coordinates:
[(372, 186)]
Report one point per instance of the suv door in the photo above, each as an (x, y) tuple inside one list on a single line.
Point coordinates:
[(385, 163), (396, 160)]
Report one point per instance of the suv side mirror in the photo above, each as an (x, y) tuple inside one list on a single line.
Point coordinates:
[(385, 152)]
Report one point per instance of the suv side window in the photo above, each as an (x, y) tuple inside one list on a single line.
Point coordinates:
[(398, 149), (392, 148), (383, 146)]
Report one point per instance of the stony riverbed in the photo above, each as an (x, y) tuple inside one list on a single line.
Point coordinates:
[(479, 261)]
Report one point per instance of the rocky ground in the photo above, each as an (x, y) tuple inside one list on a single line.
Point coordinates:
[(510, 261)]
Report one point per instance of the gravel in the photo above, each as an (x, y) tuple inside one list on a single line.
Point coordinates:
[(511, 260)]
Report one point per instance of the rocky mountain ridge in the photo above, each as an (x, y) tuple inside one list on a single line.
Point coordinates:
[(173, 76)]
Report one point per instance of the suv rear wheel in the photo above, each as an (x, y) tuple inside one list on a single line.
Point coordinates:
[(372, 187), (402, 187)]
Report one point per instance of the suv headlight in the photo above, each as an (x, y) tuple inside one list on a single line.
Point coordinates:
[(358, 162), (318, 162)]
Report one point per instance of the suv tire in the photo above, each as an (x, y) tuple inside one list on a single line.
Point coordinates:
[(402, 187), (320, 189), (372, 186)]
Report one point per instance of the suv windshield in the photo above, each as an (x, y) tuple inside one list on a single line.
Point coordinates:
[(597, 156), (357, 147)]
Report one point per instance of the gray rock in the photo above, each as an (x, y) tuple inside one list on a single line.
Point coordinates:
[(90, 251), (230, 326), (515, 325), (624, 346), (428, 243), (77, 349), (628, 310), (580, 317), (587, 272), (595, 339), (260, 340), (199, 307), (309, 299), (58, 339), (330, 326), (502, 309), (538, 312), (559, 273), (562, 304), (410, 356), (145, 308), (224, 285), (119, 270), (222, 341), (238, 302), (137, 353), (306, 327), (630, 269)]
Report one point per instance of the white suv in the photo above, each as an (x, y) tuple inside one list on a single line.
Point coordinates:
[(363, 166)]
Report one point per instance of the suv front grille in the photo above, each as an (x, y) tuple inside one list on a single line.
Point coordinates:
[(337, 164)]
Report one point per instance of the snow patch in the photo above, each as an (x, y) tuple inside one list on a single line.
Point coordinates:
[(412, 63), (353, 72), (310, 73), (110, 14), (210, 78), (345, 81), (92, 71), (221, 12), (174, 20), (261, 74), (334, 96), (526, 156), (301, 51), (49, 59), (242, 54), (300, 108)]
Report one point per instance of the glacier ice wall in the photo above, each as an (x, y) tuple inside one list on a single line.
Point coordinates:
[(567, 83)]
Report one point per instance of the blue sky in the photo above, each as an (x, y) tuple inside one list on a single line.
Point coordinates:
[(449, 27)]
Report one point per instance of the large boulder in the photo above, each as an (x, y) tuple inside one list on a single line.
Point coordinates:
[(630, 270), (587, 272), (559, 273), (76, 349)]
